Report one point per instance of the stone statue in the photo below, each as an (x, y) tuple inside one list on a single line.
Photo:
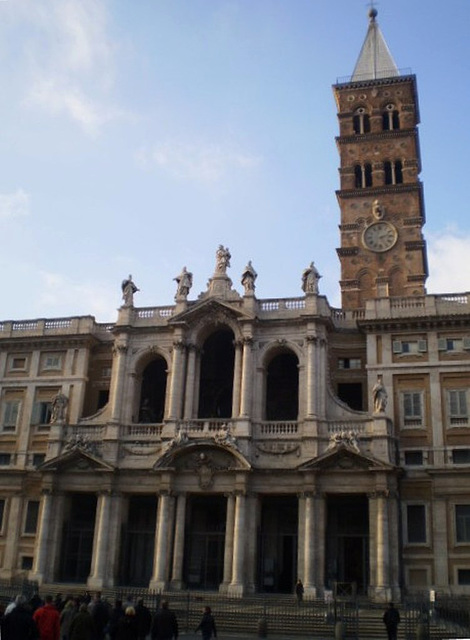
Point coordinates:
[(380, 396), (184, 282), (378, 210), (222, 259), (249, 276), (128, 290), (59, 408), (310, 279)]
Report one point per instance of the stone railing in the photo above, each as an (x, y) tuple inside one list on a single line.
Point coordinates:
[(148, 431), (430, 305), (276, 429), (54, 326), (202, 425)]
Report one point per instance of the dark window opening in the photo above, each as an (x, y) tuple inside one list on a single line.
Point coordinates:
[(463, 576), (461, 456), (416, 523), (393, 172), (351, 394), (462, 522), (216, 384), (31, 520), (77, 538), (138, 540), (361, 123), (282, 388), (152, 397), (414, 458), (103, 397), (26, 563), (390, 119)]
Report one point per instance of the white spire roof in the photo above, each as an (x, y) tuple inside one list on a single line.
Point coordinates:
[(375, 60)]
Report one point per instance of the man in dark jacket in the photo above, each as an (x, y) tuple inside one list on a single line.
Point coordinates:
[(19, 623), (165, 625), (143, 618), (391, 619)]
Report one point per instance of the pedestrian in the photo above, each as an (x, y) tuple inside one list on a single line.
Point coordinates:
[(207, 625), (127, 626), (391, 619), (82, 627), (165, 624), (143, 618), (100, 613), (299, 591), (67, 614), (117, 613), (47, 620), (19, 623)]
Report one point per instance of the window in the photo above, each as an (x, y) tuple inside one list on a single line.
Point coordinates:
[(416, 524), (31, 518), (106, 372), (454, 344), (51, 362), (457, 404), (412, 408), (42, 412), (5, 459), (361, 121), (11, 411), (463, 576), (38, 459), (2, 512), (363, 176), (103, 397), (18, 363), (349, 363), (462, 522), (414, 458), (461, 456), (393, 172), (409, 347), (26, 563), (390, 118)]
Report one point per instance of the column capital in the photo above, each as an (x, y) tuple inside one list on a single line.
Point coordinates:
[(179, 345), (312, 339)]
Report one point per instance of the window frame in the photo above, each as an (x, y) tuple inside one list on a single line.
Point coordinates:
[(460, 418), (31, 518), (406, 524), (412, 421), (10, 424), (55, 357), (17, 356)]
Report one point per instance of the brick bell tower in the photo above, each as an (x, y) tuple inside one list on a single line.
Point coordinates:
[(383, 252)]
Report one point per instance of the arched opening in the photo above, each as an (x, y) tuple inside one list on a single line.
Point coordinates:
[(153, 390), (361, 121), (393, 172), (282, 387), (363, 176), (216, 380), (390, 118)]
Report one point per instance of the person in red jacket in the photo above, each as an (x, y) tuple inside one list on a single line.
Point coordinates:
[(47, 620)]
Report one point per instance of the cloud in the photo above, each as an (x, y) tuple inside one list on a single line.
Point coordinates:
[(70, 60), (449, 266), (206, 164), (14, 205)]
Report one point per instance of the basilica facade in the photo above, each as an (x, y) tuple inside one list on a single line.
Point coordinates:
[(237, 444)]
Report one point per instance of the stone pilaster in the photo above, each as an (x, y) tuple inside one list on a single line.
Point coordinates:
[(237, 586), (178, 550)]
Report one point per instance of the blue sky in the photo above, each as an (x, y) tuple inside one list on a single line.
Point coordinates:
[(137, 136)]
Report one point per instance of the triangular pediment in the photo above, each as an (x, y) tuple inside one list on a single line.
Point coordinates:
[(76, 460), (217, 310), (344, 458)]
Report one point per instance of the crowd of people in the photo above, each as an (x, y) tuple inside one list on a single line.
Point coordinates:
[(87, 618)]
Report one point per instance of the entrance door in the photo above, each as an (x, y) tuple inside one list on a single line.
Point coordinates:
[(77, 538), (347, 542), (205, 542), (138, 541), (277, 545)]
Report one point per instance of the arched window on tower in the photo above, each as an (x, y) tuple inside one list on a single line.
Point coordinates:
[(282, 387), (363, 175), (393, 172), (390, 118), (361, 121)]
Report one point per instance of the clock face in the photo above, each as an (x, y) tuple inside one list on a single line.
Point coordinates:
[(380, 236)]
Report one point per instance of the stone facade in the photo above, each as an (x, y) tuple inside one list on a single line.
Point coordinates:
[(238, 444)]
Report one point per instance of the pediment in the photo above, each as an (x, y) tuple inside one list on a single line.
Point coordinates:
[(219, 312), (344, 458), (193, 455), (76, 460)]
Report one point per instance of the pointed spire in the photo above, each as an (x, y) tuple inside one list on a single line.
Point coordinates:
[(375, 60)]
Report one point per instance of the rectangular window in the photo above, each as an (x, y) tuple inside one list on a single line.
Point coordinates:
[(26, 563), (31, 518), (414, 458), (412, 407), (416, 523), (462, 522), (458, 411), (5, 459), (2, 512), (106, 372), (10, 414), (51, 362), (409, 347), (42, 412), (450, 344), (18, 363), (461, 456), (349, 363), (38, 458), (463, 576)]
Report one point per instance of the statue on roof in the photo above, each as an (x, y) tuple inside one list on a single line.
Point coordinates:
[(310, 279), (128, 289), (184, 281), (249, 276), (222, 259)]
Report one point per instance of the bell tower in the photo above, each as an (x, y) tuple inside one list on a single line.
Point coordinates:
[(382, 252)]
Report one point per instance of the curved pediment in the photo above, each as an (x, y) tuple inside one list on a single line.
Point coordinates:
[(76, 460), (194, 454), (345, 458)]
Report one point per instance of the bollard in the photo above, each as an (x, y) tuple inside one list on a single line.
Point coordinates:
[(262, 627), (340, 630)]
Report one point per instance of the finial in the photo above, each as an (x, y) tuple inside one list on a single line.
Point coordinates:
[(372, 11)]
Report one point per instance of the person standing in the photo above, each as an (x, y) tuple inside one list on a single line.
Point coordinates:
[(299, 591), (207, 625), (143, 618), (127, 626), (47, 620), (82, 627), (391, 619), (19, 623), (67, 614), (165, 624)]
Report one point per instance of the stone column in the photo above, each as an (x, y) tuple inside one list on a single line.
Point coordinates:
[(252, 516), (311, 377), (117, 381), (237, 586), (159, 578), (237, 373), (228, 550), (12, 535), (440, 539), (99, 561), (190, 383), (178, 550), (319, 543), (41, 563), (321, 376), (383, 592), (247, 378), (309, 546), (176, 380)]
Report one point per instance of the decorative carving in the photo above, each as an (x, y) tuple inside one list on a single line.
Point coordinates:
[(60, 403), (348, 438), (278, 448), (81, 442), (180, 438), (379, 395), (225, 437)]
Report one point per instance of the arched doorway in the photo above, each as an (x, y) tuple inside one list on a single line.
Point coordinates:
[(282, 387), (216, 379), (153, 391)]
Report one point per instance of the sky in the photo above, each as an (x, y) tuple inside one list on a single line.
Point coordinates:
[(138, 135)]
